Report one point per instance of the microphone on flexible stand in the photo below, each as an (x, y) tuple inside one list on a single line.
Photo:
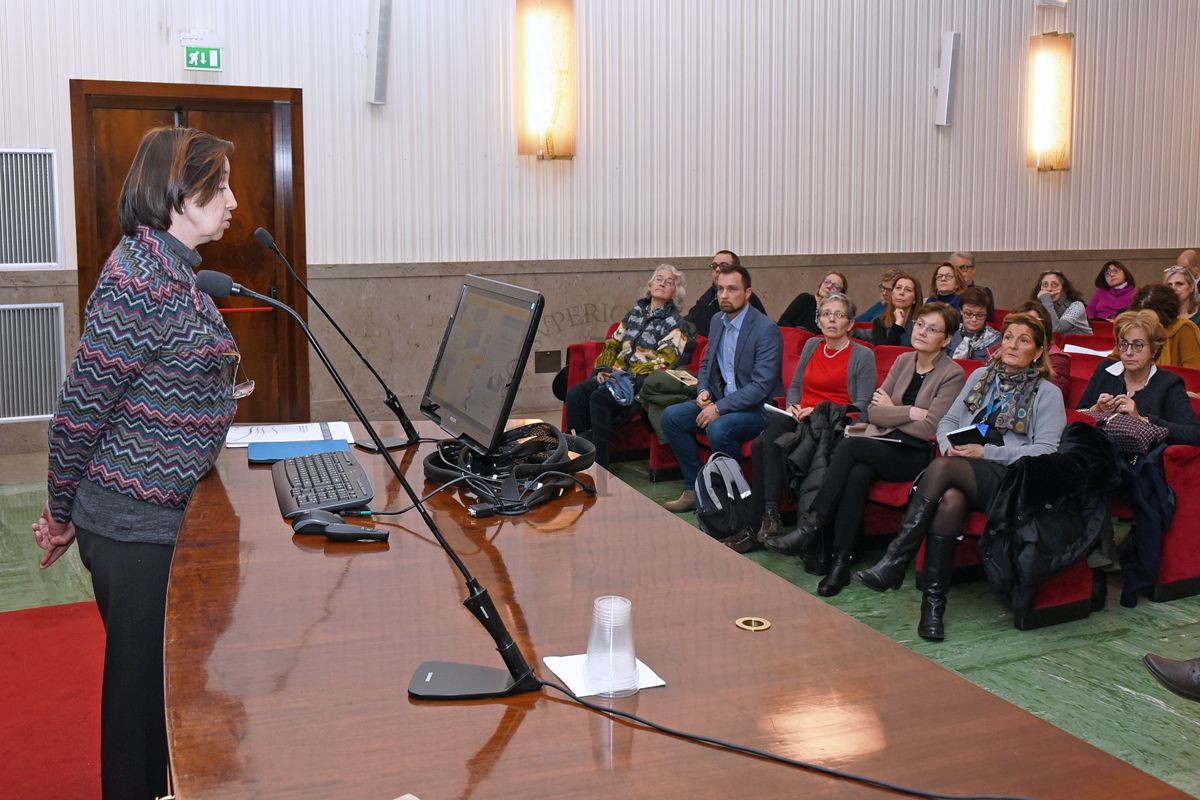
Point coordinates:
[(265, 238), (434, 680)]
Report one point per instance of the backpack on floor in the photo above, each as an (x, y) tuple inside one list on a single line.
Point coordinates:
[(722, 497)]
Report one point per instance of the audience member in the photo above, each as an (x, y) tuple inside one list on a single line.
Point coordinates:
[(1024, 415), (832, 367), (1060, 362), (1184, 285), (652, 336), (1114, 291), (886, 282), (1068, 314), (965, 262), (894, 325), (1190, 259), (1182, 348), (946, 285), (707, 304), (802, 311), (1133, 385), (892, 441), (740, 373), (975, 338)]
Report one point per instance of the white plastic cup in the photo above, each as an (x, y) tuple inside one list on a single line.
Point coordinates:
[(611, 666)]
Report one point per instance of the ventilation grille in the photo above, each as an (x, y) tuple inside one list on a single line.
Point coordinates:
[(28, 209), (32, 370)]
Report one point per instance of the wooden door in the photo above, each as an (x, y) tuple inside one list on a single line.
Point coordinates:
[(108, 121)]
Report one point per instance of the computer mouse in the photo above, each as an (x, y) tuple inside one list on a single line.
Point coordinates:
[(315, 521)]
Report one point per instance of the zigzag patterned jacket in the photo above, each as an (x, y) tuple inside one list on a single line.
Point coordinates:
[(147, 402)]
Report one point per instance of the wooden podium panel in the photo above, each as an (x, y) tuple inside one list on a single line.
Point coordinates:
[(288, 658)]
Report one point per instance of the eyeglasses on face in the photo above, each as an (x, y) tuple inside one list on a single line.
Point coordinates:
[(925, 327), (1136, 346), (883, 287), (974, 315), (945, 276), (834, 315), (719, 264), (661, 281), (837, 287), (1113, 269)]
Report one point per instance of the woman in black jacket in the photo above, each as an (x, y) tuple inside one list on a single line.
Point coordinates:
[(802, 311), (1134, 385)]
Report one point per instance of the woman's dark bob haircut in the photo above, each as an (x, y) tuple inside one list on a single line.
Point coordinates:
[(171, 165)]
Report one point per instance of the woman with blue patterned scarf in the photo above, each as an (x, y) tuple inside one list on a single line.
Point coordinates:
[(1016, 408)]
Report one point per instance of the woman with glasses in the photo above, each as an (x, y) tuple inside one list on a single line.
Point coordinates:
[(894, 325), (834, 368), (142, 416), (975, 338), (652, 336), (1184, 285), (1114, 291), (1132, 384), (886, 282), (1182, 347), (1068, 314), (802, 311), (946, 285), (891, 442), (1017, 411)]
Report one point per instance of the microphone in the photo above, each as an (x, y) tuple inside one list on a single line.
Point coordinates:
[(264, 237), (434, 680)]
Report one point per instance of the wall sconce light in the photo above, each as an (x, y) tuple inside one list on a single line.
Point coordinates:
[(1049, 99), (546, 78)]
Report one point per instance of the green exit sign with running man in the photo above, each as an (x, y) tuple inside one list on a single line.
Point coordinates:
[(202, 58)]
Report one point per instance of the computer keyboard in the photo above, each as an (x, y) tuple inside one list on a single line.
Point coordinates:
[(325, 481)]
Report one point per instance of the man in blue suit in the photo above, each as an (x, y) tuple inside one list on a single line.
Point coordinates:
[(741, 371)]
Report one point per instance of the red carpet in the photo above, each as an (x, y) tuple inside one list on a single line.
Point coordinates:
[(51, 661)]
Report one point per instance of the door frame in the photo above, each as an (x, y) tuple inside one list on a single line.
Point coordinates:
[(287, 224)]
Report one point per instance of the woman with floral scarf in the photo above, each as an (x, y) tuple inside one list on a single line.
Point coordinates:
[(1018, 411)]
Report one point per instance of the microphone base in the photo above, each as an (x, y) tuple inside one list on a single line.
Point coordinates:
[(445, 680), (389, 443)]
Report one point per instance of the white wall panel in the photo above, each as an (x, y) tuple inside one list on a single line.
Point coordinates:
[(769, 126)]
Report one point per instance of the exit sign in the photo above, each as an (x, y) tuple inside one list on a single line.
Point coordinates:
[(202, 58)]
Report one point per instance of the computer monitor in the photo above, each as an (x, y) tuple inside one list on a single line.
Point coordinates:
[(479, 365)]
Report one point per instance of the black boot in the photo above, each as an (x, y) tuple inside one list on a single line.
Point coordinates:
[(839, 574), (818, 557), (934, 582), (888, 573), (796, 541)]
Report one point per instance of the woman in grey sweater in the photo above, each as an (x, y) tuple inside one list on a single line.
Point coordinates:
[(1018, 411), (1068, 313)]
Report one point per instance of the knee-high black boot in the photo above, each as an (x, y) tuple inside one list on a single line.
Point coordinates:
[(889, 572), (934, 582)]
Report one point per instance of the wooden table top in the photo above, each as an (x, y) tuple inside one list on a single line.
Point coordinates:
[(288, 659)]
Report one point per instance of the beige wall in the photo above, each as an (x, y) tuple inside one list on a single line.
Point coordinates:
[(396, 313)]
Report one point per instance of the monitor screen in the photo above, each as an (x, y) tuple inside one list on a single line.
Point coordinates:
[(479, 365)]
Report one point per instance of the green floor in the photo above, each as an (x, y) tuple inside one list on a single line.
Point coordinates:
[(1085, 677)]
